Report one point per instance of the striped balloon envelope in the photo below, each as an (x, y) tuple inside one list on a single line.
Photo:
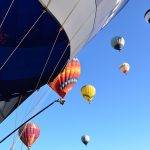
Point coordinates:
[(29, 133), (88, 92), (65, 81)]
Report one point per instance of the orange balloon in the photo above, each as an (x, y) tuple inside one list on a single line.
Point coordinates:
[(66, 80)]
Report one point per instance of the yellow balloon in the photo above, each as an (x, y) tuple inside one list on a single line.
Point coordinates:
[(88, 92)]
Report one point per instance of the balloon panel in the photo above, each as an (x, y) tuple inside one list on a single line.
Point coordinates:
[(88, 92), (29, 133), (23, 70), (65, 81)]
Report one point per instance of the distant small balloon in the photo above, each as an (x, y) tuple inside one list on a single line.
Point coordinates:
[(147, 16), (29, 133), (118, 43), (85, 139), (124, 68), (88, 92)]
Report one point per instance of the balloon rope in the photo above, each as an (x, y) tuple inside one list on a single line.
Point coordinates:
[(41, 97), (22, 39), (61, 101), (43, 12), (55, 42), (78, 30), (33, 109), (16, 118), (94, 20), (21, 146), (86, 20), (12, 146), (48, 58), (6, 14), (56, 66), (40, 110), (69, 44), (48, 3), (85, 39), (51, 52)]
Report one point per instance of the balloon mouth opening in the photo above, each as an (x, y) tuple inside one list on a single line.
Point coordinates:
[(125, 72), (89, 98), (85, 143), (118, 47)]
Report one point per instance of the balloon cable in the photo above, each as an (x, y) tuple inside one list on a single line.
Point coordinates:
[(43, 12), (54, 68), (61, 101), (86, 20), (16, 118), (52, 46), (22, 40), (48, 58), (6, 14)]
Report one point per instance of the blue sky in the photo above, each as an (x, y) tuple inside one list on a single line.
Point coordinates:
[(119, 117)]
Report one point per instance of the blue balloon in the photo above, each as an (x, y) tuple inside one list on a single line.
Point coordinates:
[(20, 75)]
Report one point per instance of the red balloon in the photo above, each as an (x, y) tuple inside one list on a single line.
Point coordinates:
[(65, 81), (29, 133)]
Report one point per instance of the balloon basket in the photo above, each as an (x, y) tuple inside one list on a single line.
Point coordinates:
[(62, 101)]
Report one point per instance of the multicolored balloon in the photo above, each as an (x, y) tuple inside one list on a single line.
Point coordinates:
[(124, 68), (65, 81), (29, 133), (85, 139), (88, 92)]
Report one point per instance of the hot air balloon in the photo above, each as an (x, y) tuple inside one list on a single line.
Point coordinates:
[(118, 43), (29, 133), (88, 92), (45, 35), (124, 68), (85, 139), (147, 16), (65, 81)]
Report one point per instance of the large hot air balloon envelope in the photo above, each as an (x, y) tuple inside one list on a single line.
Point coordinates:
[(59, 30), (65, 81), (29, 133), (147, 16), (88, 92)]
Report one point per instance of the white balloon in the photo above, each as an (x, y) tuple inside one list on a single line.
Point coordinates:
[(147, 16), (85, 139), (124, 68)]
